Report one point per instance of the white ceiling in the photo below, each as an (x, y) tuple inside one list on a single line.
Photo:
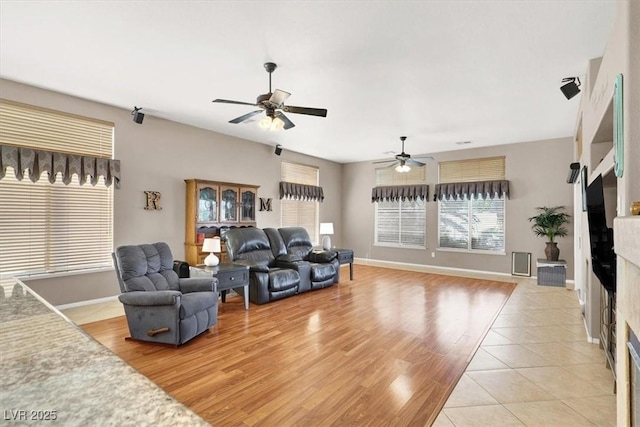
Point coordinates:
[(437, 71)]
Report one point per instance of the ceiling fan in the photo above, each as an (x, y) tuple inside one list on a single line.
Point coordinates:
[(273, 104), (403, 161)]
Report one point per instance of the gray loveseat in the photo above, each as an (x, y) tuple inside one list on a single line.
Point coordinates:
[(160, 307), (280, 268)]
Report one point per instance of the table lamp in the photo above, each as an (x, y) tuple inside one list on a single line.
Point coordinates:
[(326, 228), (211, 245)]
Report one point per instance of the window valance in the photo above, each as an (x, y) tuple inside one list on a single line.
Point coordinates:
[(290, 190), (89, 169), (460, 190), (399, 192)]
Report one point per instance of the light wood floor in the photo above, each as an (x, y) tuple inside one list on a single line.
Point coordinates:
[(384, 349)]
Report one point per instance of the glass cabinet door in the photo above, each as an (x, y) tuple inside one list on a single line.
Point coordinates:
[(248, 206), (207, 203), (229, 204)]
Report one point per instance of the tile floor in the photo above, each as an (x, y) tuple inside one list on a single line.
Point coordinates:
[(534, 367)]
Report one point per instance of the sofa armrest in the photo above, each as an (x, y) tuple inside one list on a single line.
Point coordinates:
[(295, 265), (258, 268), (253, 267), (150, 298), (321, 256), (288, 258), (198, 284)]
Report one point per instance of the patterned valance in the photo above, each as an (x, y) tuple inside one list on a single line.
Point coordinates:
[(290, 190), (88, 169), (400, 192), (460, 190)]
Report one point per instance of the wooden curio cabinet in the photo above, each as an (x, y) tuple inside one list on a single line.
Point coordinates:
[(248, 204), (229, 204), (211, 209)]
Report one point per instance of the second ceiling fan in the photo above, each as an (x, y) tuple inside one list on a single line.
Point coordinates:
[(272, 104), (403, 161)]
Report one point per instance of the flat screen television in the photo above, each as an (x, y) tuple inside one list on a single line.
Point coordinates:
[(603, 257)]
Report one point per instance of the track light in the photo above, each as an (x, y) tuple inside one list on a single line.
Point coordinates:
[(278, 150), (138, 117), (570, 89), (574, 171)]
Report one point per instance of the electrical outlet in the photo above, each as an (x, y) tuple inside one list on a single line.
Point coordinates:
[(433, 254)]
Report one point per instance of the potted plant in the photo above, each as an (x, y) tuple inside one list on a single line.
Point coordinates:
[(550, 223)]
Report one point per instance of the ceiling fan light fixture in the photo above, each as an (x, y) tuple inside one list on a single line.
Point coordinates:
[(403, 168), (272, 124)]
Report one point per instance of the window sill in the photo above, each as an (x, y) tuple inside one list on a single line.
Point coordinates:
[(391, 245), (39, 276), (472, 251)]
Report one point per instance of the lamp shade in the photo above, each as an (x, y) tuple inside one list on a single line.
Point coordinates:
[(211, 245), (326, 228)]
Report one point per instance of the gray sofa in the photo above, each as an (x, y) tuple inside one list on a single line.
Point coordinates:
[(279, 267), (293, 248), (160, 307)]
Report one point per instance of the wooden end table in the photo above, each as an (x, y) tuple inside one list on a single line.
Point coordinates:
[(230, 276)]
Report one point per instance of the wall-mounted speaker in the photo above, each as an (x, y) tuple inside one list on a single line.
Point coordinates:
[(570, 88), (278, 150), (574, 171), (138, 117)]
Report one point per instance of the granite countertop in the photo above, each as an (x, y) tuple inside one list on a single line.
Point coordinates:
[(52, 372)]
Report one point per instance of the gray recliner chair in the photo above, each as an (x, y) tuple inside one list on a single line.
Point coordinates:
[(160, 307)]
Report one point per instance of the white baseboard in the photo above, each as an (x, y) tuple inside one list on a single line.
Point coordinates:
[(586, 330), (87, 302), (449, 271), (421, 268)]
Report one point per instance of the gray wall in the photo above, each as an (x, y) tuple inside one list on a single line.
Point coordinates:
[(159, 155), (537, 172)]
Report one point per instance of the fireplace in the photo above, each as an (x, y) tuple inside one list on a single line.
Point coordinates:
[(634, 378), (627, 244)]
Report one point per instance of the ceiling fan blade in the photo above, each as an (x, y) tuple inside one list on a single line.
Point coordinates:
[(245, 117), (288, 124), (321, 112), (414, 162), (278, 97), (425, 158), (227, 101), (383, 161)]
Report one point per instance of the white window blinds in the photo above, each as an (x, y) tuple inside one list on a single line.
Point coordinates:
[(48, 228), (471, 170), (300, 213), (400, 223), (467, 222)]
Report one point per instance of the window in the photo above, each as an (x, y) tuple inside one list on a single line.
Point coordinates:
[(300, 213), (472, 223), (401, 222), (475, 224), (49, 228)]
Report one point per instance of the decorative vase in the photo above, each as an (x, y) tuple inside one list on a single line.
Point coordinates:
[(551, 251)]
